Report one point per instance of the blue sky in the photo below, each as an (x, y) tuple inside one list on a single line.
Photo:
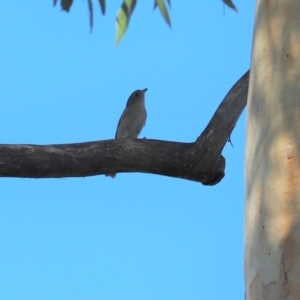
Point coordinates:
[(138, 236)]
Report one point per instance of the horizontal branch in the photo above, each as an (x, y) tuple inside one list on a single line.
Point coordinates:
[(199, 161), (94, 158)]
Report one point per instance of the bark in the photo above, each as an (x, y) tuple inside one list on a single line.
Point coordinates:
[(272, 227), (199, 161)]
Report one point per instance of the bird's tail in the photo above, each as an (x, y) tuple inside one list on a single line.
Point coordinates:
[(112, 175)]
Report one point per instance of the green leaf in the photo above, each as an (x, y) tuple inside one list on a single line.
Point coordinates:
[(123, 18), (91, 12), (66, 4), (102, 5), (169, 2), (230, 4), (163, 9)]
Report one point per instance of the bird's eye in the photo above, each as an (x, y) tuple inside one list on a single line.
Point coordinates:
[(136, 95)]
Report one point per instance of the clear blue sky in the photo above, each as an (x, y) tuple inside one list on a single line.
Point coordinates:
[(138, 236)]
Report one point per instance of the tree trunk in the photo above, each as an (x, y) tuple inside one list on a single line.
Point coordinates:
[(272, 225)]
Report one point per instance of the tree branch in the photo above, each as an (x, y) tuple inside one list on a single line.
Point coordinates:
[(200, 161)]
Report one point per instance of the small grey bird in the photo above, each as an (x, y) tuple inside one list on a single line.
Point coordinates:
[(133, 118)]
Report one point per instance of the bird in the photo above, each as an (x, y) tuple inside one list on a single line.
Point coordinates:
[(133, 118)]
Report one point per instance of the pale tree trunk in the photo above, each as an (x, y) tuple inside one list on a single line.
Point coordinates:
[(272, 233)]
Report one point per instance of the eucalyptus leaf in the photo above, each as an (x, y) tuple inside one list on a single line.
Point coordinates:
[(163, 10), (91, 13), (230, 4), (66, 4), (103, 6), (123, 18)]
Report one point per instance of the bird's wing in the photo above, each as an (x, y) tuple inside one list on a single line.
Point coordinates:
[(127, 126), (122, 115)]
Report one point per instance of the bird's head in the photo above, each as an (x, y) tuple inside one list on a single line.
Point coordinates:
[(137, 96)]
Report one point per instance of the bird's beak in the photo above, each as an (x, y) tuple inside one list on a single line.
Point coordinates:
[(145, 90)]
